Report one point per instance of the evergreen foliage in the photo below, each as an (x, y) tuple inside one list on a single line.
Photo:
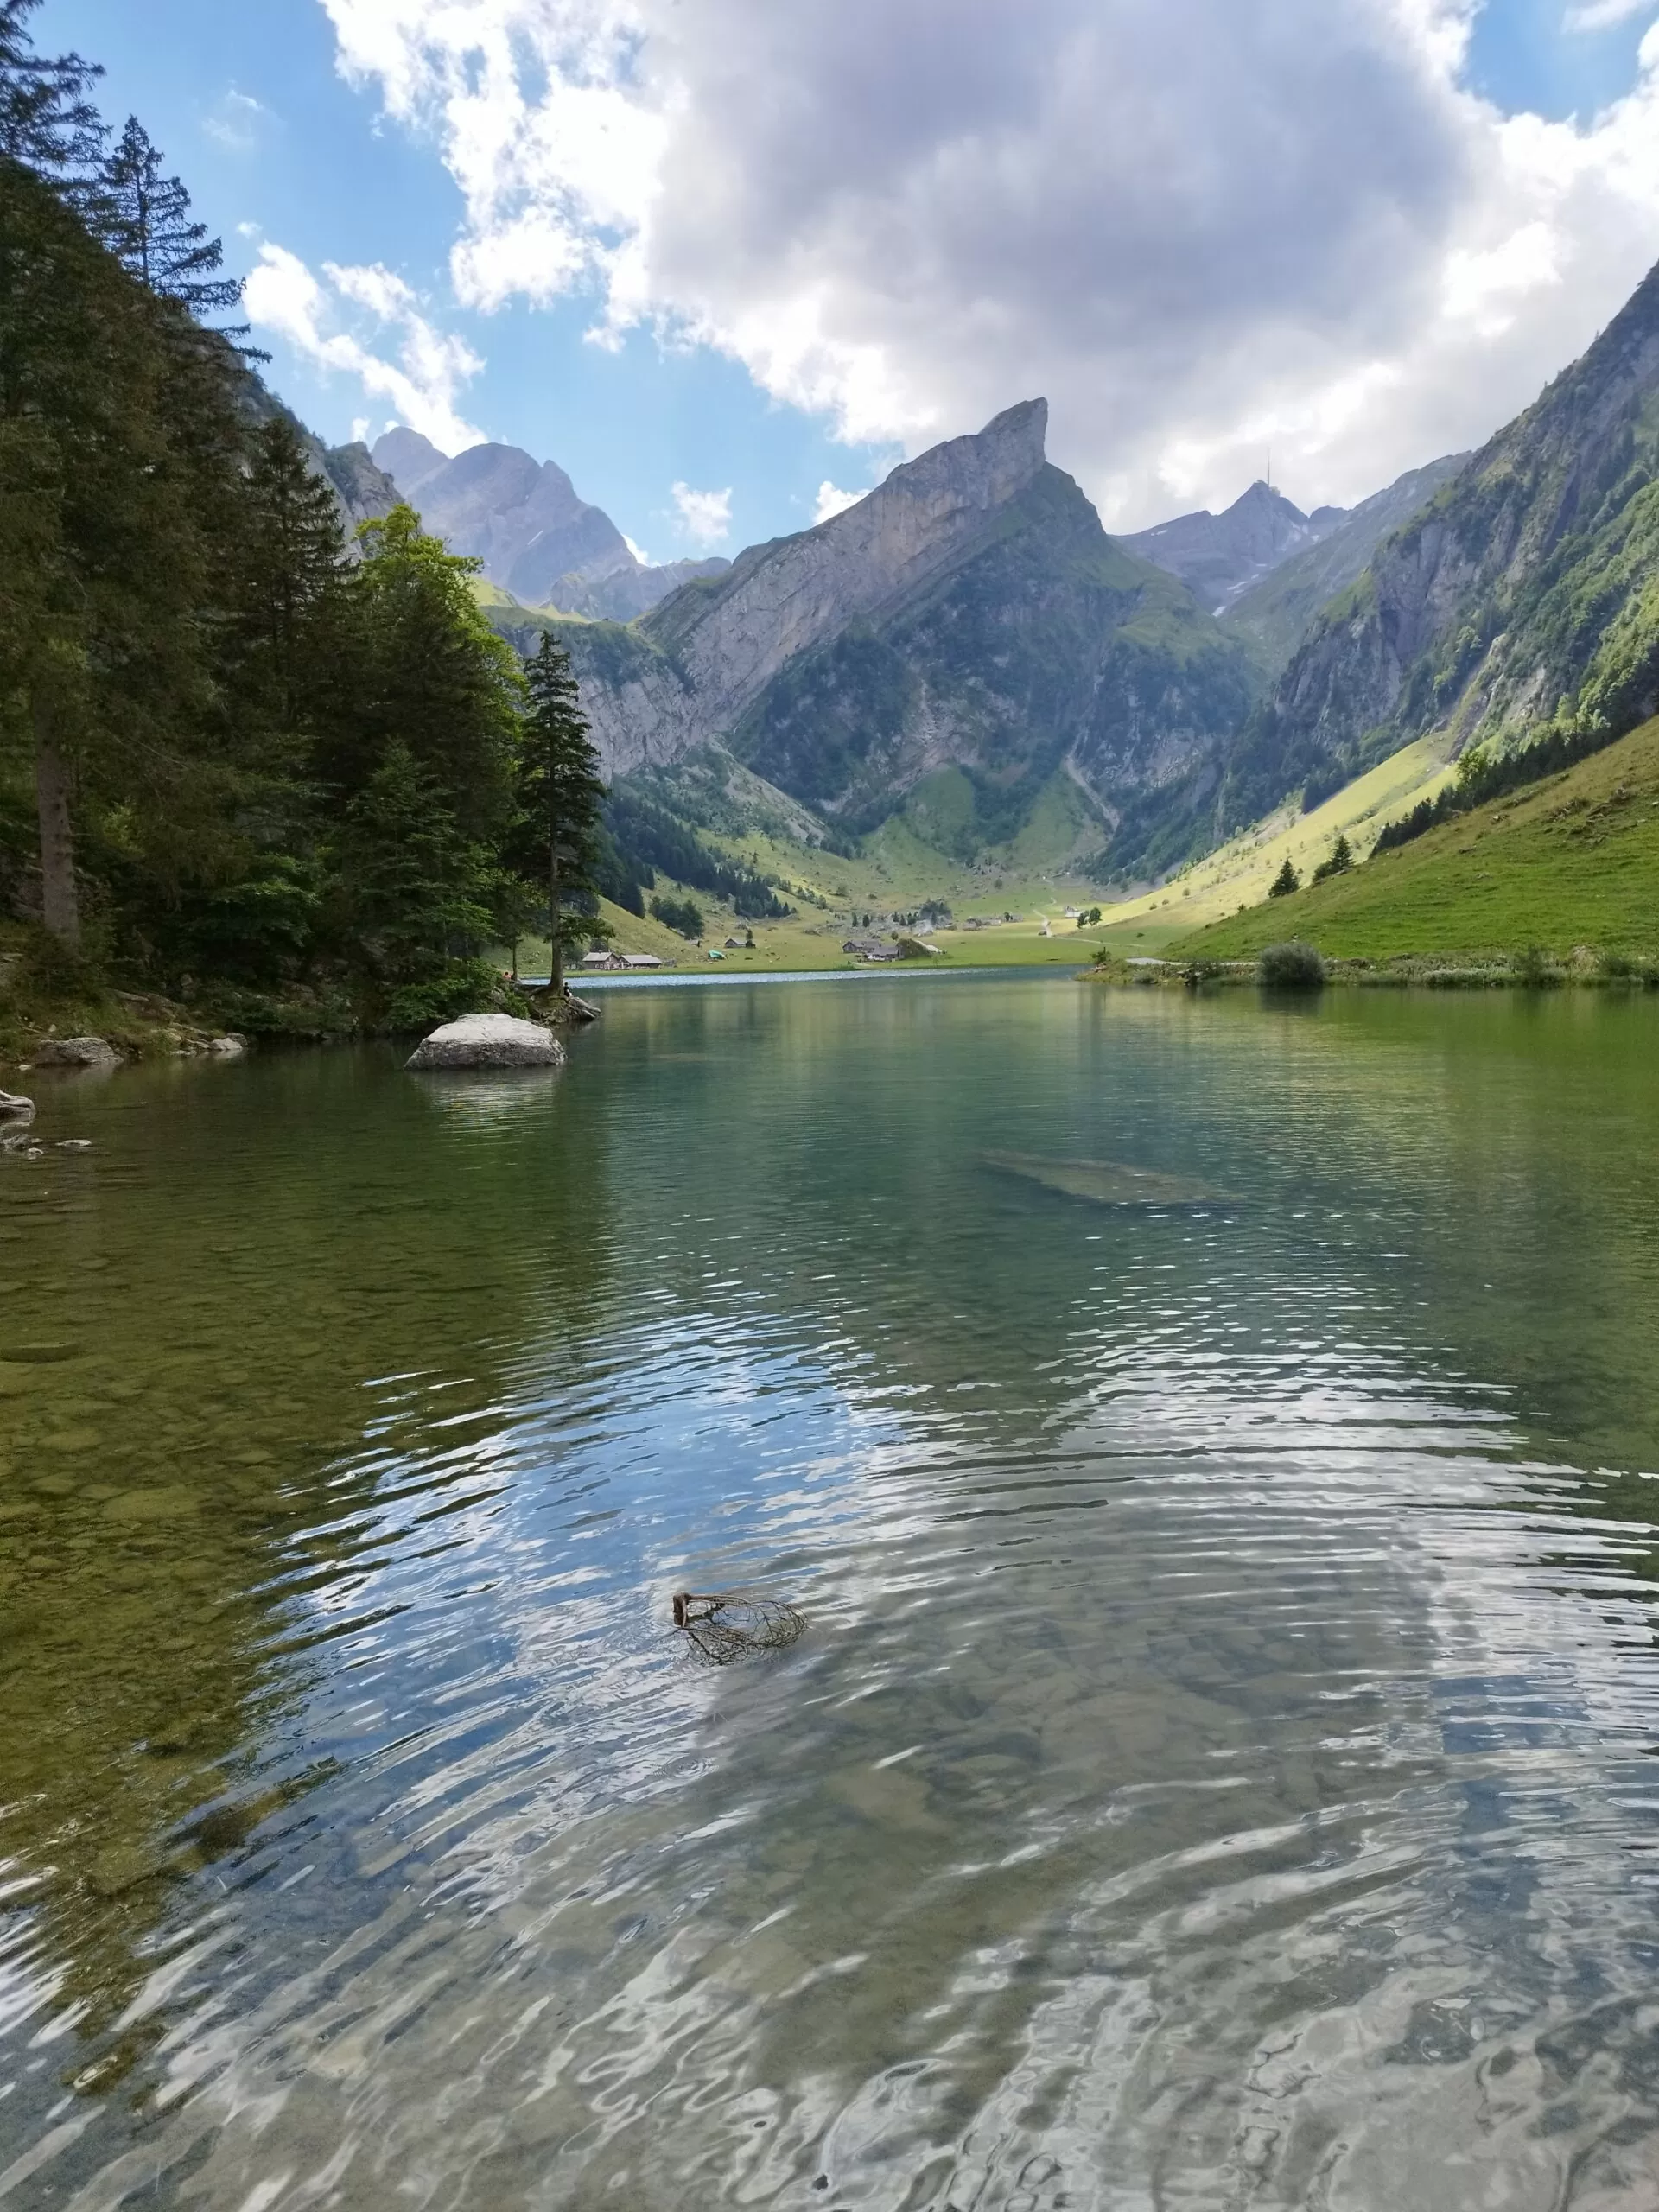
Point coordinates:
[(682, 914), (1482, 776), (560, 799), (145, 217), (649, 839), (47, 123), (1285, 882), (238, 761), (1337, 861)]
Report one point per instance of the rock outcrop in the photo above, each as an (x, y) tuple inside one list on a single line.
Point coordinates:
[(364, 492), (15, 1108), (1278, 610), (488, 1040), (75, 1052)]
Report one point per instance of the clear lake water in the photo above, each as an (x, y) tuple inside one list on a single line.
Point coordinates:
[(1211, 1446)]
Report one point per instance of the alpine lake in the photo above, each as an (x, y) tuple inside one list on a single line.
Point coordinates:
[(1210, 1446)]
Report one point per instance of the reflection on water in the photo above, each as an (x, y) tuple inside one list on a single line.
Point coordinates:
[(1209, 1446)]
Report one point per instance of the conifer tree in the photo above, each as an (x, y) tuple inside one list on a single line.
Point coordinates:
[(145, 221), (417, 890), (432, 676), (103, 552), (291, 658), (1285, 882), (46, 122), (561, 795), (1338, 860)]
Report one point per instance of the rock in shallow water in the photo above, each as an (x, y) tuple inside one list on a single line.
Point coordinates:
[(75, 1052), (16, 1109), (488, 1040)]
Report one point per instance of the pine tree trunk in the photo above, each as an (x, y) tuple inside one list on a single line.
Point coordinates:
[(556, 950), (59, 901)]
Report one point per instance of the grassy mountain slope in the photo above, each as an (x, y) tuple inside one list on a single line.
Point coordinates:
[(1573, 860), (1238, 873), (1521, 597)]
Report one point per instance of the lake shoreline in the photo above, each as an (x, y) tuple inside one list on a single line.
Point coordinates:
[(1585, 969)]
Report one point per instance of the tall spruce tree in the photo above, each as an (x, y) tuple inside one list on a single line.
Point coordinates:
[(417, 894), (561, 796), (100, 646), (145, 217)]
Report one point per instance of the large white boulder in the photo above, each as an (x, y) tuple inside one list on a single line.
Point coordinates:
[(488, 1040)]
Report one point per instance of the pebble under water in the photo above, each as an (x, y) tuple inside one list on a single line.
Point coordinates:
[(1209, 1446)]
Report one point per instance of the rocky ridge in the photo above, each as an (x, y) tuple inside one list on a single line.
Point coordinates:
[(1220, 556), (1521, 597), (1278, 608), (523, 519), (965, 644)]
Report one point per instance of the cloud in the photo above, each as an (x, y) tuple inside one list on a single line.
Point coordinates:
[(638, 552), (832, 500), (423, 382), (1199, 229), (705, 516), (234, 119), (1602, 14)]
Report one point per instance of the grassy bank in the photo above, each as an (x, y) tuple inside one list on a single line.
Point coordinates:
[(1570, 862)]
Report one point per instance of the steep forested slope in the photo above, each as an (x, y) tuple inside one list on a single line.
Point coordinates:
[(1525, 596)]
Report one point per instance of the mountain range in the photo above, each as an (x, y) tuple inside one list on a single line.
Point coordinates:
[(1219, 557), (522, 518), (967, 650), (965, 645)]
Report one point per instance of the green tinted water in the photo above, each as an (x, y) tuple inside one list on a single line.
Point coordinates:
[(1210, 1445)]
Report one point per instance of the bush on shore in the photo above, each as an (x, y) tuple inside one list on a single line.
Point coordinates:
[(1294, 966)]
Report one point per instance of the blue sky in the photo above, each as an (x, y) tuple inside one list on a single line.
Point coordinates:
[(964, 313)]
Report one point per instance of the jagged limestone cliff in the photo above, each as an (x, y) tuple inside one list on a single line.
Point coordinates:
[(1524, 595), (1277, 610), (969, 620)]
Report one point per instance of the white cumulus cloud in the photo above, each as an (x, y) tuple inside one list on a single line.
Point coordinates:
[(832, 500), (705, 516), (1602, 14), (325, 321), (1200, 229)]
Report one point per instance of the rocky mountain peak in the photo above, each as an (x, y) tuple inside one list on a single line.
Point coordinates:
[(408, 457), (781, 599), (980, 470), (1220, 555), (525, 521)]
